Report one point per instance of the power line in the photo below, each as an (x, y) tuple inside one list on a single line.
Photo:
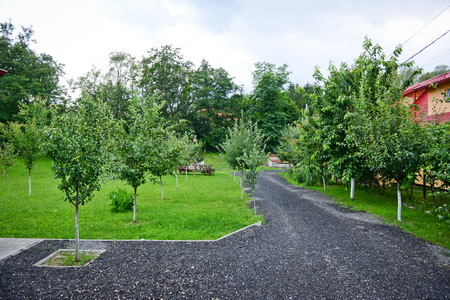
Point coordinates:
[(426, 46), (425, 25), (438, 57)]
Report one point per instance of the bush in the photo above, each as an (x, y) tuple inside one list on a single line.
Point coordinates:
[(305, 175), (121, 200)]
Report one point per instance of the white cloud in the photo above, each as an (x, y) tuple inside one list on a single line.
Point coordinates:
[(230, 34)]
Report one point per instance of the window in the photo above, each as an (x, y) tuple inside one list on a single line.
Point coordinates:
[(447, 95)]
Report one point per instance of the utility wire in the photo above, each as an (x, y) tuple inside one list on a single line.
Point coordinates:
[(438, 58), (425, 25), (426, 46)]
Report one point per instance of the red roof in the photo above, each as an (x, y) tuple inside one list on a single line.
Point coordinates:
[(424, 84), (3, 72)]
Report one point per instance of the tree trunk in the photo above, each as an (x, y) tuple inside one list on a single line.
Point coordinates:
[(134, 205), (176, 179), (324, 183), (241, 184), (186, 171), (352, 188), (424, 188), (399, 203), (77, 231), (29, 182), (162, 188)]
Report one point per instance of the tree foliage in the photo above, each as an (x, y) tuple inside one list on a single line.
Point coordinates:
[(30, 75), (137, 142), (76, 144), (7, 157), (270, 106)]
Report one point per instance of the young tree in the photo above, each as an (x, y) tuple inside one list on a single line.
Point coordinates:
[(137, 143), (437, 158), (76, 144), (243, 150), (7, 157), (163, 161), (391, 142), (27, 137)]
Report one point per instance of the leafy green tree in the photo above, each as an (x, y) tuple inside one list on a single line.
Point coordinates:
[(137, 142), (438, 70), (116, 86), (302, 96), (289, 147), (27, 137), (270, 106), (437, 156), (165, 73), (391, 142), (244, 149), (215, 102), (163, 161), (7, 157), (76, 144), (30, 75)]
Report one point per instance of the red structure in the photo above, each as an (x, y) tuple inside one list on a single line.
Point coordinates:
[(432, 97), (3, 72)]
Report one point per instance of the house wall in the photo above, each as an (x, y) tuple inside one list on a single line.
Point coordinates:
[(435, 103)]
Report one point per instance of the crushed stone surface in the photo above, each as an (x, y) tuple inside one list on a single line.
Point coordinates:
[(309, 248)]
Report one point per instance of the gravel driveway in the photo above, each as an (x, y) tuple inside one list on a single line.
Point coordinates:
[(309, 248)]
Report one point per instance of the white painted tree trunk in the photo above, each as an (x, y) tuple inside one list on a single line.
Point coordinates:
[(324, 183), (77, 232), (176, 179), (29, 182), (186, 171), (352, 188), (242, 188), (134, 205), (162, 188), (399, 203)]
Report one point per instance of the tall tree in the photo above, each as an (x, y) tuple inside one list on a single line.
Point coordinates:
[(270, 106), (166, 73), (215, 104), (76, 144), (30, 75), (438, 70)]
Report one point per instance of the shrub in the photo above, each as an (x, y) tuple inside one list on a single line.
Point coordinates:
[(121, 200)]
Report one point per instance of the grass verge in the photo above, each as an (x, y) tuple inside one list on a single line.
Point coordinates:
[(417, 222), (203, 208)]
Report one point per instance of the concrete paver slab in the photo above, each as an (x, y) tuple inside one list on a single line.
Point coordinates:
[(12, 246)]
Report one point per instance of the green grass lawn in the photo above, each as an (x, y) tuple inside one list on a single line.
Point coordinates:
[(415, 221), (204, 207)]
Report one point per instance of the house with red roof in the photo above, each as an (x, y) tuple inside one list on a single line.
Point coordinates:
[(432, 98)]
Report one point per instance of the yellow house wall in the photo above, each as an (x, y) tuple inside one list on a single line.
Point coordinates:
[(435, 97)]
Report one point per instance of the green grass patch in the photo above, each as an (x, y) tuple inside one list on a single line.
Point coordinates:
[(415, 221), (204, 207)]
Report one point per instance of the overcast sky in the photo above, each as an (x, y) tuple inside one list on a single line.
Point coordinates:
[(233, 34)]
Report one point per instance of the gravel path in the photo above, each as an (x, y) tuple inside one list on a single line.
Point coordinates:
[(309, 248)]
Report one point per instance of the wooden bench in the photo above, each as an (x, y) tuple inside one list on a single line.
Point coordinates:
[(207, 170)]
